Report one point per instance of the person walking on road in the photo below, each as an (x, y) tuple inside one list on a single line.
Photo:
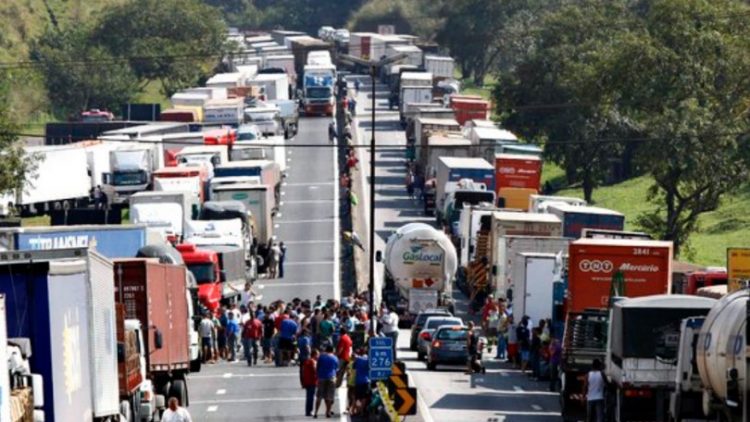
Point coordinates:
[(594, 383), (282, 256), (273, 260), (309, 380), (389, 322), (269, 328), (175, 413), (331, 131), (252, 333), (328, 366), (524, 343), (233, 333), (287, 333)]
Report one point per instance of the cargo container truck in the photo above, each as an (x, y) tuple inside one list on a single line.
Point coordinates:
[(272, 148), (62, 302), (459, 194), (539, 203), (155, 295), (268, 171), (700, 279), (266, 118), (721, 362), (21, 392), (226, 80), (413, 94), (420, 264), (645, 267), (469, 108), (575, 218), (43, 190), (424, 127), (642, 352), (359, 44), (533, 277), (488, 140), (228, 111), (317, 89), (441, 67), (301, 47), (184, 178), (507, 248), (414, 55), (273, 86), (112, 241), (450, 144), (518, 171), (258, 200), (451, 169), (289, 116), (132, 168), (166, 212), (411, 109), (208, 155)]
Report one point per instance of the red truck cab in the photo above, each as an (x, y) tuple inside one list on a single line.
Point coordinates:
[(224, 136), (698, 279), (204, 265)]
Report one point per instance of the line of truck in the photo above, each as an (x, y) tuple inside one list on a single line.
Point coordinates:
[(670, 351)]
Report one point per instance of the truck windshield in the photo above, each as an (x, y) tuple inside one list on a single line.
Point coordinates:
[(319, 92), (260, 117), (203, 273), (125, 178), (247, 136)]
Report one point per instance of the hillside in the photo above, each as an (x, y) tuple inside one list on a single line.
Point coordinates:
[(729, 226)]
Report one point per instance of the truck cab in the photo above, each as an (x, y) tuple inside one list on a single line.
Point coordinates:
[(685, 401), (204, 265), (318, 89), (131, 170), (138, 400)]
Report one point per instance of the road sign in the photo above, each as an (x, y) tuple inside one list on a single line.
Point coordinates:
[(738, 267), (381, 357), (405, 401), (397, 381)]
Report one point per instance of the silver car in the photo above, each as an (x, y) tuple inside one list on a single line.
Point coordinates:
[(430, 326)]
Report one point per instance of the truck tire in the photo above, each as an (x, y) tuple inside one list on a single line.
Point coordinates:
[(195, 366), (431, 366), (179, 390), (126, 414), (420, 356)]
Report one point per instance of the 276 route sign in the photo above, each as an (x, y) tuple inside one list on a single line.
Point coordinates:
[(381, 357)]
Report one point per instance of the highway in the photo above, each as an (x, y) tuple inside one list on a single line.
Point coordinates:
[(502, 394), (307, 224)]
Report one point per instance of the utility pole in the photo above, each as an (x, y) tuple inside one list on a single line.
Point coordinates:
[(371, 252)]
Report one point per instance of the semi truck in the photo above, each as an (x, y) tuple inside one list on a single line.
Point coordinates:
[(317, 87), (257, 199), (465, 192), (453, 169), (42, 190), (533, 277), (112, 241), (154, 294), (507, 251), (272, 86), (642, 349), (184, 178), (224, 112), (166, 212), (575, 218), (420, 265), (62, 302), (268, 171), (721, 362), (644, 267), (132, 168)]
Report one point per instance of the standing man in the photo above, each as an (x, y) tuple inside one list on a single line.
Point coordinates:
[(331, 131), (309, 379), (593, 384), (233, 333), (273, 264), (328, 365), (287, 333), (206, 330), (175, 413), (282, 256), (252, 332), (344, 348), (389, 322)]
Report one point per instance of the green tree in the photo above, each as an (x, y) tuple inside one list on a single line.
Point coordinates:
[(80, 75), (554, 92), (683, 74), (15, 167), (173, 41)]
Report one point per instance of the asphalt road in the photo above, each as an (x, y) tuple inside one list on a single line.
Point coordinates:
[(447, 394), (307, 224)]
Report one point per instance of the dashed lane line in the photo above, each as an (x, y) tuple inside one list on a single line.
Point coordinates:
[(236, 401), (221, 392), (211, 408)]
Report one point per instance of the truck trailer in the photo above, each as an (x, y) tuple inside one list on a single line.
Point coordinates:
[(112, 241)]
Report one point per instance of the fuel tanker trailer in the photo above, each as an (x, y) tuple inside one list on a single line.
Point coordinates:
[(420, 265), (720, 357)]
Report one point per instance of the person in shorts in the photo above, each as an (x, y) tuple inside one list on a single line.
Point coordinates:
[(206, 329), (361, 382), (328, 365)]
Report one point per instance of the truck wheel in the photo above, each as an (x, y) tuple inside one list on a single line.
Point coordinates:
[(179, 390), (195, 366), (431, 366), (420, 356), (125, 412)]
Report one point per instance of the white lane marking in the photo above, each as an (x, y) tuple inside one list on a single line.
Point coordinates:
[(231, 401), (313, 187), (306, 242), (212, 408), (278, 215), (283, 193), (221, 392), (517, 389), (289, 160), (261, 286), (522, 413), (301, 283), (309, 263), (261, 375), (312, 201), (284, 184), (319, 220), (536, 407), (276, 226), (281, 203), (308, 184)]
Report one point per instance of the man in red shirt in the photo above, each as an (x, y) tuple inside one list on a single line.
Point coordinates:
[(344, 348), (252, 333), (309, 379)]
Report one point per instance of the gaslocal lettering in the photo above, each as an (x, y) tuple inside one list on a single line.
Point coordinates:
[(420, 256), (61, 242)]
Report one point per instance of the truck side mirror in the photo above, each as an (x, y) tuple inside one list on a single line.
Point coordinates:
[(378, 256), (222, 276), (107, 178), (158, 339), (494, 270), (120, 352)]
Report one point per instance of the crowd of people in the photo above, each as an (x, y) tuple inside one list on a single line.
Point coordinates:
[(528, 347), (326, 339)]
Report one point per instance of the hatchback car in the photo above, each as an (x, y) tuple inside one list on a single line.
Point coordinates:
[(448, 346), (430, 326), (419, 321)]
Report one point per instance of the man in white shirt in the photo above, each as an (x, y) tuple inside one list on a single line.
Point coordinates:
[(594, 385), (206, 329), (389, 321), (175, 413)]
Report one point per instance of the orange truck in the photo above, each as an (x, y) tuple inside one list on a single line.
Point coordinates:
[(517, 177), (646, 267)]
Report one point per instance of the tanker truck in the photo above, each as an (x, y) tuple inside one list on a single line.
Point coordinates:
[(720, 358), (420, 264)]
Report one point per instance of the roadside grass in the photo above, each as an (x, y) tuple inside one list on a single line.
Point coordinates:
[(152, 94)]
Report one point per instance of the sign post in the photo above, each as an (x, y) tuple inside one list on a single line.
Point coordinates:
[(381, 358), (738, 268)]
